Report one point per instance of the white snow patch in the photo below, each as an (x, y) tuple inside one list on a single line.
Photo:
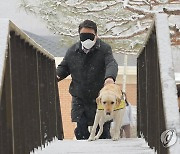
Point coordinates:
[(173, 19), (128, 146), (4, 30), (177, 77), (109, 25), (125, 3)]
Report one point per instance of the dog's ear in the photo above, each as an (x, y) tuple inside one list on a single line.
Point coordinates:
[(98, 100)]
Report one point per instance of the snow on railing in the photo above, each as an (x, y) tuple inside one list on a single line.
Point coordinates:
[(6, 26), (3, 49)]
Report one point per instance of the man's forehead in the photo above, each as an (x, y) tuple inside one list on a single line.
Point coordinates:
[(87, 30)]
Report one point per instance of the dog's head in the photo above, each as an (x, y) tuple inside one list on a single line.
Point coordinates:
[(109, 101)]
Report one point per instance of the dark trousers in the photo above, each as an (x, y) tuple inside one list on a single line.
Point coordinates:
[(81, 131)]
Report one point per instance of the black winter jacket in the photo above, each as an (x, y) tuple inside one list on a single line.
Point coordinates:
[(88, 71)]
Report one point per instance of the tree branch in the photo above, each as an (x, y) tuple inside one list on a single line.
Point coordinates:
[(139, 32), (171, 11)]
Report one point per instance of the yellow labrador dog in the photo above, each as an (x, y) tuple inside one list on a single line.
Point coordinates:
[(110, 106)]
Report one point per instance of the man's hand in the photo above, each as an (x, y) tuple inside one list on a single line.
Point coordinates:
[(109, 80)]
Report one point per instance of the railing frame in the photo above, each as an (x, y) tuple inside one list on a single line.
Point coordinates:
[(156, 90), (30, 114)]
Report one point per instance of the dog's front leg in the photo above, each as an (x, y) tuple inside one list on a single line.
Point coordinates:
[(116, 133), (112, 129), (101, 123), (118, 122), (96, 122)]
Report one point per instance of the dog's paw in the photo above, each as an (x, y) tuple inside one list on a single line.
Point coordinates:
[(115, 138), (96, 137), (91, 139)]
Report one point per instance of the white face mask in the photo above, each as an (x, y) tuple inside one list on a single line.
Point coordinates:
[(88, 44)]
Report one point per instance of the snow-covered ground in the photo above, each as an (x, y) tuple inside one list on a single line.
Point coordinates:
[(134, 145), (123, 146)]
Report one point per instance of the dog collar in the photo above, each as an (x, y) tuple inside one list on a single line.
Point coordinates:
[(120, 106)]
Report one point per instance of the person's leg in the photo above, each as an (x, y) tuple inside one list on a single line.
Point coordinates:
[(78, 116), (121, 132), (127, 131), (106, 131), (81, 131)]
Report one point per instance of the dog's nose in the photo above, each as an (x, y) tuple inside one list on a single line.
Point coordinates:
[(108, 113)]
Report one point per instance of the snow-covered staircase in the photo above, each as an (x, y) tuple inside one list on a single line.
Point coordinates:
[(24, 127), (123, 146)]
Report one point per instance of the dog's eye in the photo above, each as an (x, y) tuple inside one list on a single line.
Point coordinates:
[(112, 102), (104, 102)]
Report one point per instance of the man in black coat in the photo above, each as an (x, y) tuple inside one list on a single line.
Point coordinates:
[(91, 65)]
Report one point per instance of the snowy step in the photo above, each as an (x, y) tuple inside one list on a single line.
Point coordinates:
[(123, 146)]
